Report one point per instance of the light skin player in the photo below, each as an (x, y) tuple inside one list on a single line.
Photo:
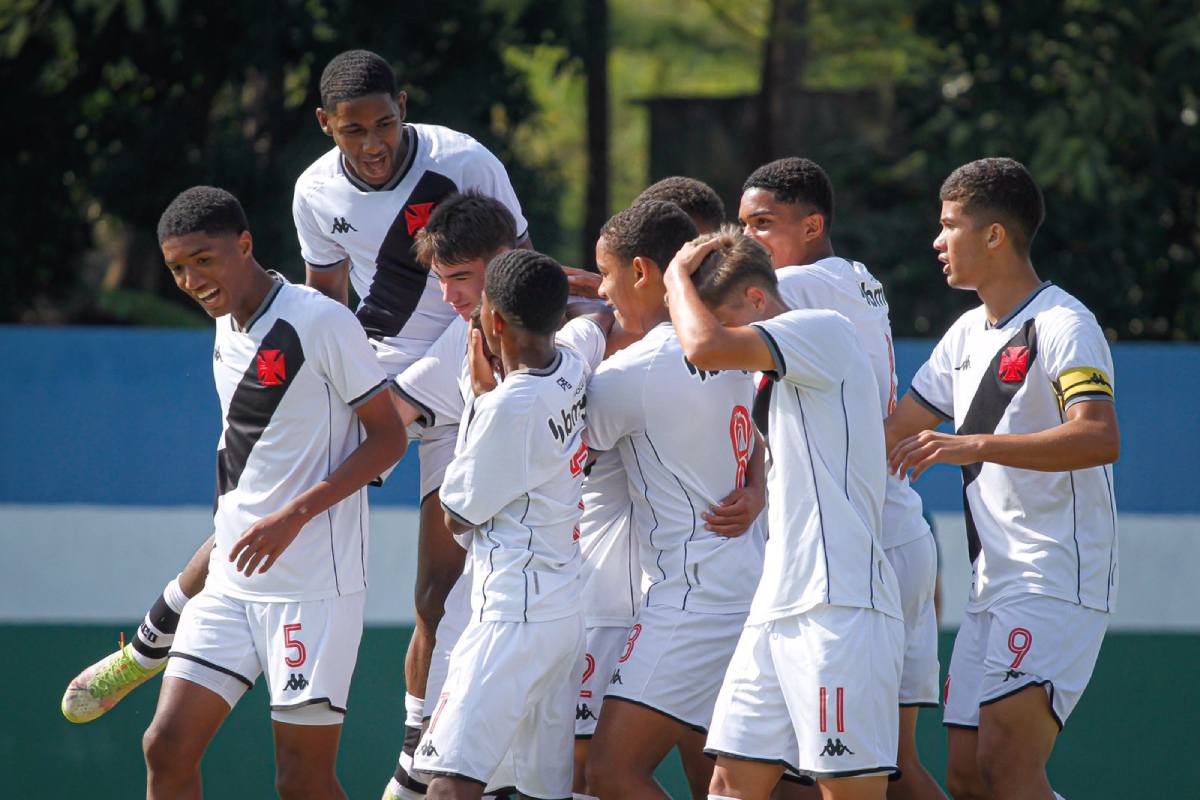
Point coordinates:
[(220, 272), (1006, 756)]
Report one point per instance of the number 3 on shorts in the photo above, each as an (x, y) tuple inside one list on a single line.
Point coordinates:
[(290, 643)]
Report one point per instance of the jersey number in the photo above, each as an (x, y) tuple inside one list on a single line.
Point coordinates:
[(588, 670), (293, 644), (739, 436), (633, 637), (839, 709), (579, 460), (891, 403), (1019, 642)]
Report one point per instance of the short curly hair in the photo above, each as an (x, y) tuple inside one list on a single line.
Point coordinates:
[(739, 261), (698, 200), (796, 180), (528, 288), (652, 229), (354, 74), (202, 209), (464, 227), (999, 190)]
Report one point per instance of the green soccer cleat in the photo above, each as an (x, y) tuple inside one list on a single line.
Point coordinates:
[(104, 684)]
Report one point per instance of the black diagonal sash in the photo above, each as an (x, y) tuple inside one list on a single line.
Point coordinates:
[(254, 403), (991, 400)]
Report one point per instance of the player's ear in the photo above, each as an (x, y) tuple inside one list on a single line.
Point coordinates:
[(323, 121), (996, 235), (245, 244), (814, 226), (402, 105), (639, 268)]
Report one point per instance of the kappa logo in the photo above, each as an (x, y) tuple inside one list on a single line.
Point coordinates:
[(296, 682), (583, 711), (1014, 363), (217, 354), (272, 370), (342, 225), (616, 677), (965, 365), (427, 749), (834, 747), (416, 216), (1012, 675)]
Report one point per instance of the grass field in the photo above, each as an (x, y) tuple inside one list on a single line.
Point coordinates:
[(1133, 736)]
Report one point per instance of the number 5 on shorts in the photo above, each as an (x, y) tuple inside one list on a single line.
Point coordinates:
[(293, 644)]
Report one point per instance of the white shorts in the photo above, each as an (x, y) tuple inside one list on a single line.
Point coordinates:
[(454, 621), (603, 648), (673, 662), (307, 649), (1018, 642), (915, 565), (509, 697), (436, 452), (815, 693)]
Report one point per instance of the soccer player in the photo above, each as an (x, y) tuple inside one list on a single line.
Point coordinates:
[(685, 439), (1027, 380), (788, 207), (813, 684), (515, 486), (298, 387), (696, 198)]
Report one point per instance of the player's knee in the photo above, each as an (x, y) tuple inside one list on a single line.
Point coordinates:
[(605, 778), (167, 750), (964, 782), (299, 777)]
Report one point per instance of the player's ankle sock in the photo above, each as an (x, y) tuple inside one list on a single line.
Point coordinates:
[(157, 631), (414, 707), (578, 796)]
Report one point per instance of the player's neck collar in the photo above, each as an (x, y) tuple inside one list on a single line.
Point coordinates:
[(410, 154), (263, 306), (549, 369), (1010, 316)]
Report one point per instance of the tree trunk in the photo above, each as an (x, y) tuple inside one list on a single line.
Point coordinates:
[(780, 127), (595, 65)]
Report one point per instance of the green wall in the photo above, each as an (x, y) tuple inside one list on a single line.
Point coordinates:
[(1133, 735)]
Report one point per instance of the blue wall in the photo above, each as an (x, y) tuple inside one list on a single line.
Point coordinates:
[(129, 417)]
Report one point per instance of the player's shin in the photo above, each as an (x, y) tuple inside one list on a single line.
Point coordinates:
[(157, 631)]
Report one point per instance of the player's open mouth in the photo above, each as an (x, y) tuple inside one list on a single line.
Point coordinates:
[(209, 298), (375, 170)]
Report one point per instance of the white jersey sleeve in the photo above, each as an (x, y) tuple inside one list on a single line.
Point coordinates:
[(485, 173), (586, 338), (614, 403), (803, 348), (489, 471), (344, 357), (317, 248), (1076, 357), (933, 385), (432, 383)]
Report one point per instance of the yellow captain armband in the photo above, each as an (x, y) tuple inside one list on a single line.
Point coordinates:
[(1081, 382)]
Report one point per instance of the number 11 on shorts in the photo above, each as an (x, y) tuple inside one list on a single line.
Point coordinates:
[(839, 710)]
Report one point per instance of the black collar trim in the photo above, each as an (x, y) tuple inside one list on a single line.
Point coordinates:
[(1000, 323)]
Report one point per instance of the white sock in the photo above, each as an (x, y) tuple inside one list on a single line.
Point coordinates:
[(578, 796), (414, 707), (1058, 796), (174, 596)]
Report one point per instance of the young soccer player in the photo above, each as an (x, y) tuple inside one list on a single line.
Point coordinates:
[(298, 387), (1026, 378), (515, 485), (685, 439), (813, 683), (696, 198), (788, 207)]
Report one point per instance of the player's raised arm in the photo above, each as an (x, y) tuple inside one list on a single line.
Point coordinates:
[(332, 281), (706, 340)]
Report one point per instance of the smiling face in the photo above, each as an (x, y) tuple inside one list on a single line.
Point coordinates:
[(962, 247), (214, 270), (462, 284), (368, 130), (787, 230), (616, 285)]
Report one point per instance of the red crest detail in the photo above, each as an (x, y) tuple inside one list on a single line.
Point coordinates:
[(271, 368), (416, 216), (579, 460), (1014, 362)]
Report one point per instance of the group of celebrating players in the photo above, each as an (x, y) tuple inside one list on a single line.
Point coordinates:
[(691, 493)]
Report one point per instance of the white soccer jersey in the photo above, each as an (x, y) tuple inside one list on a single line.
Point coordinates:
[(1051, 533), (848, 288), (612, 574), (825, 447), (338, 216), (516, 479), (288, 385), (685, 440)]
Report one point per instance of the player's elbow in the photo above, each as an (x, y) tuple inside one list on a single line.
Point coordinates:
[(703, 352), (1109, 446)]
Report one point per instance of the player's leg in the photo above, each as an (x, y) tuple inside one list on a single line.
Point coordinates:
[(604, 645), (963, 778), (187, 718), (1016, 735), (306, 761), (697, 767), (873, 787), (961, 708), (101, 686), (790, 788), (915, 782), (631, 741), (738, 779)]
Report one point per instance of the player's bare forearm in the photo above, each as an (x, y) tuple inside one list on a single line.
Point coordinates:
[(333, 282), (908, 419), (1088, 438), (734, 515), (455, 525)]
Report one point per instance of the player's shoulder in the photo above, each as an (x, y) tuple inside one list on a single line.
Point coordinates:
[(810, 318), (448, 147), (1057, 306), (319, 174), (640, 356), (310, 307)]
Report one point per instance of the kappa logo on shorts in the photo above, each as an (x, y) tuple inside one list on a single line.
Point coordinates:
[(1012, 675), (296, 682), (342, 225), (427, 749), (834, 747), (616, 677), (584, 711)]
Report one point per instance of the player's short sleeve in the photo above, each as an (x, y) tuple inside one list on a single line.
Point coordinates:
[(345, 356), (810, 348), (802, 287), (431, 383), (614, 403), (933, 385), (317, 248), (484, 173), (586, 339), (488, 472), (1076, 356)]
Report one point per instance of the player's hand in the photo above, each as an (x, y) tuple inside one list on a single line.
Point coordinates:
[(483, 365), (692, 255), (734, 515), (582, 283), (264, 541), (920, 452)]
